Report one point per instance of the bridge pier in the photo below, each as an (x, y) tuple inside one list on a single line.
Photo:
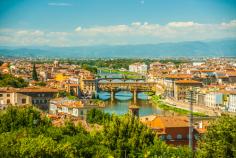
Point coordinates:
[(112, 95), (135, 96)]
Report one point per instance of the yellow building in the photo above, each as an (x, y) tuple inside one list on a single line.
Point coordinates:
[(60, 77)]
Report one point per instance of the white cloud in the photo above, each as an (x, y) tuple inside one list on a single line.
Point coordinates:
[(105, 29), (182, 24), (134, 33), (78, 29), (61, 4)]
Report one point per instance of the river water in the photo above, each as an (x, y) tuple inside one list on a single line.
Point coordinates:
[(123, 99)]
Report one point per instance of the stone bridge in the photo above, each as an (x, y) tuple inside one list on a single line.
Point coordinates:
[(133, 87)]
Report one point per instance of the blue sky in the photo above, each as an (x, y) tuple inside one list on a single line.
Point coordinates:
[(94, 22)]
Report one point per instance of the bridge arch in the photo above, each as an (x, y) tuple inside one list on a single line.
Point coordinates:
[(103, 81), (116, 81)]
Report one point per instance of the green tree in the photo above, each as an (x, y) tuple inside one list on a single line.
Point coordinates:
[(9, 80), (41, 84), (97, 116), (34, 73), (220, 139)]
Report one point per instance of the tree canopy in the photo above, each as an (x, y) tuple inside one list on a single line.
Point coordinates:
[(11, 81), (26, 133), (220, 139), (34, 73)]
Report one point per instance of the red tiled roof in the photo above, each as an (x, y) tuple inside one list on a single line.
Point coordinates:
[(167, 122), (179, 76), (187, 82)]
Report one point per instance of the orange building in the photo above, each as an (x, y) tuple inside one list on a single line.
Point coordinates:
[(173, 130)]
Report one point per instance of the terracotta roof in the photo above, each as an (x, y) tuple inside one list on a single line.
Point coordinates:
[(203, 129), (168, 122), (178, 76), (231, 73), (207, 70), (71, 104), (228, 92), (187, 82)]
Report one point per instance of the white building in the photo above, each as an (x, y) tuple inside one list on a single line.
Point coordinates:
[(75, 108), (214, 100), (198, 63), (138, 67), (232, 102)]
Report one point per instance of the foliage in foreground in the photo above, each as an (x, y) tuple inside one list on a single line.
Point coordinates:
[(220, 139), (25, 133)]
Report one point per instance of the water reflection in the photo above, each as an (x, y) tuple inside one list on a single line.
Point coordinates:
[(122, 101)]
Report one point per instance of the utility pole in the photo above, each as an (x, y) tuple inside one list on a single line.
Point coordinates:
[(192, 99)]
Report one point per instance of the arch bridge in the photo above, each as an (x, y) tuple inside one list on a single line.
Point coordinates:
[(133, 87), (99, 80)]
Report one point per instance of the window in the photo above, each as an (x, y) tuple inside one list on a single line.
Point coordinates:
[(8, 101), (38, 95), (162, 137), (1, 95), (169, 137), (8, 95), (196, 136), (23, 101), (45, 101), (179, 136), (43, 95)]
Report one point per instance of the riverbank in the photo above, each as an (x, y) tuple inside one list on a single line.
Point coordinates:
[(158, 102)]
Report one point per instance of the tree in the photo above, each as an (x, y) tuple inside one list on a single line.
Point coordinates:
[(41, 84), (220, 139), (9, 80), (24, 132), (34, 74)]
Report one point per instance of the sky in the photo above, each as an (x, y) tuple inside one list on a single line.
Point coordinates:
[(114, 22)]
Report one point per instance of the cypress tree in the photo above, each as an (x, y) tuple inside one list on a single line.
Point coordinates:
[(34, 74)]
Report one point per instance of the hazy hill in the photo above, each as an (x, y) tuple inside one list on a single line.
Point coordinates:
[(186, 49)]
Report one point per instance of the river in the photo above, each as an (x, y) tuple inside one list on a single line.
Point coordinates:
[(122, 101)]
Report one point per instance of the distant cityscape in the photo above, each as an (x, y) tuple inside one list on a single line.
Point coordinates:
[(68, 89), (118, 79)]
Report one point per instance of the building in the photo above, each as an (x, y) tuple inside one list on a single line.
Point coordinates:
[(39, 97), (198, 63), (172, 130), (88, 86), (77, 108), (169, 82), (9, 96), (138, 67), (214, 99), (182, 87), (232, 102)]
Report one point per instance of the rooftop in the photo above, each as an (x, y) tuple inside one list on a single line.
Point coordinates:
[(168, 122), (187, 82)]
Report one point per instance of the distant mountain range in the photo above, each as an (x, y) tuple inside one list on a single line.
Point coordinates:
[(217, 48)]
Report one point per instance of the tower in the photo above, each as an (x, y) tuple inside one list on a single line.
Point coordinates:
[(134, 110)]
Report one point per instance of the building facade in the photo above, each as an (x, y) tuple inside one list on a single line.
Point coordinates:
[(39, 97), (182, 88), (138, 67), (214, 100)]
